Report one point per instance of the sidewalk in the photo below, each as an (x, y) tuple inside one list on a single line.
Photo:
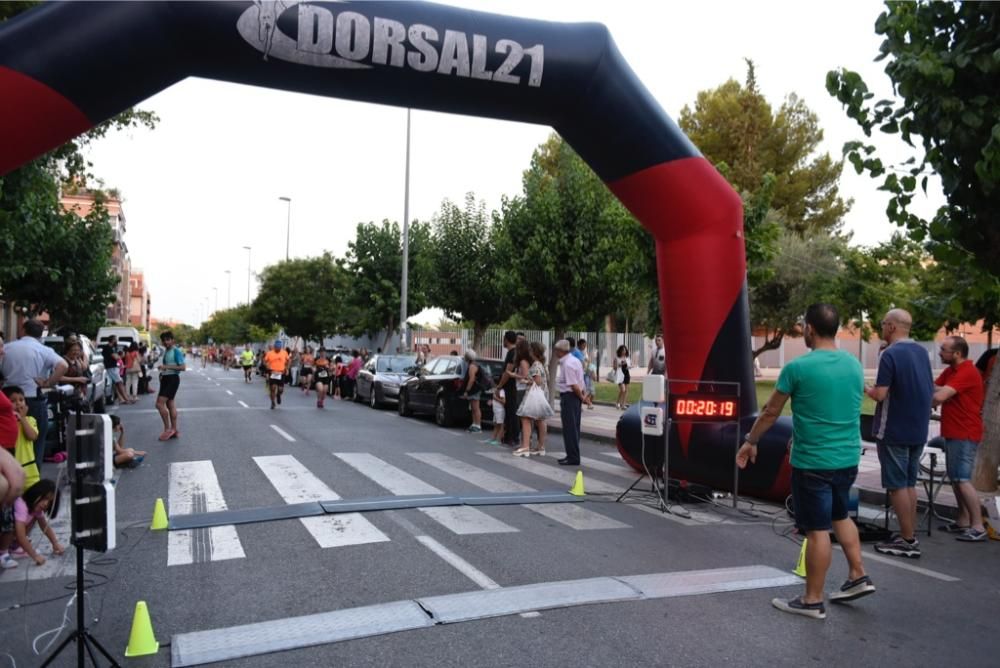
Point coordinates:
[(600, 423)]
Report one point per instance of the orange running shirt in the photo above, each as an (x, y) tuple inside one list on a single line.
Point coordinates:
[(276, 360)]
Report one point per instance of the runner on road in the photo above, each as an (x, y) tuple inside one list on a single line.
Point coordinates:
[(277, 363), (322, 377), (246, 361), (306, 373)]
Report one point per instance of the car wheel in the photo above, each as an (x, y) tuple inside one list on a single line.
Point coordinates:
[(441, 413), (403, 405), (373, 397)]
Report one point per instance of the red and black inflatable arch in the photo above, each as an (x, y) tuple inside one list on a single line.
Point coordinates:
[(65, 67)]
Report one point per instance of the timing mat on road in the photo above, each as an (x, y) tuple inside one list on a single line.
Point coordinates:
[(200, 647), (314, 508)]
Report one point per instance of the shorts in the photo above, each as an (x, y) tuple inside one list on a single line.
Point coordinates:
[(280, 382), (821, 497), (900, 464), (306, 371), (169, 385), (960, 457), (114, 376), (474, 396), (6, 519), (498, 413)]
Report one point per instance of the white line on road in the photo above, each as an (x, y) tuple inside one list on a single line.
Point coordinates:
[(569, 514), (242, 403), (284, 434), (891, 561), (229, 392), (460, 564), (296, 484), (194, 488), (457, 519)]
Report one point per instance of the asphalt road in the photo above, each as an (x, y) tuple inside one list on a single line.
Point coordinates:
[(250, 456)]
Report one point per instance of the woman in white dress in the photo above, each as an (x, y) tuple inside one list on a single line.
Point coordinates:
[(622, 376), (535, 407)]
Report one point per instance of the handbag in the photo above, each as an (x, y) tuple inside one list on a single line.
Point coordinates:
[(611, 375)]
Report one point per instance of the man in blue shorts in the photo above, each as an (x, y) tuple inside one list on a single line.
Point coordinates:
[(171, 367), (903, 389), (825, 387)]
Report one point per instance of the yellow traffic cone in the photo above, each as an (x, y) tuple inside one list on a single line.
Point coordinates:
[(800, 568), (159, 516), (141, 640), (577, 489)]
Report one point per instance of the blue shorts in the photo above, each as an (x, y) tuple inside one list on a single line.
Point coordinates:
[(114, 376), (900, 464), (474, 396), (821, 497), (961, 459)]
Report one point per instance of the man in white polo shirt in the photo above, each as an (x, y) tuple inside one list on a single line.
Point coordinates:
[(572, 396)]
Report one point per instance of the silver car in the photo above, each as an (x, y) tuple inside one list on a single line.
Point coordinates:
[(379, 379)]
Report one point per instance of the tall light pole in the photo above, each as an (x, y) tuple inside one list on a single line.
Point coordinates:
[(229, 288), (288, 227), (406, 241), (247, 249)]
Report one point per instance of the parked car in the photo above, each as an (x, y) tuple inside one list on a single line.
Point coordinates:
[(99, 391), (379, 379), (437, 390)]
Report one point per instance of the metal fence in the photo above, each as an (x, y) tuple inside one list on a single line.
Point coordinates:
[(865, 351), (602, 345)]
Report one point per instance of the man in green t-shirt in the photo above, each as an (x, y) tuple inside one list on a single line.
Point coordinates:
[(826, 387)]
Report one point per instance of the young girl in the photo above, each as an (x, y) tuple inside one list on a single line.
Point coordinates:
[(339, 374), (124, 457), (499, 403), (622, 376), (29, 510)]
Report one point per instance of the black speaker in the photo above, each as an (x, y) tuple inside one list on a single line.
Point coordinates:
[(91, 466)]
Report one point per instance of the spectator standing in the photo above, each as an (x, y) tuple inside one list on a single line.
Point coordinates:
[(658, 358), (569, 382), (472, 392), (903, 389), (109, 351), (170, 380), (960, 394), (133, 368), (622, 375), (589, 371), (77, 370), (535, 408), (825, 386), (508, 382), (33, 366), (351, 374)]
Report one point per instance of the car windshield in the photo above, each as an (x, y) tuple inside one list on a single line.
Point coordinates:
[(396, 363)]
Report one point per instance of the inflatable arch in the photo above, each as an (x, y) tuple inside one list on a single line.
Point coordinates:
[(65, 67)]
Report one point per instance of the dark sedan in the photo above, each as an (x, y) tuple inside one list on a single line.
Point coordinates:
[(437, 390), (379, 379)]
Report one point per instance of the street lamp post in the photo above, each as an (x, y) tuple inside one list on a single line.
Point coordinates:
[(229, 288), (406, 241), (288, 227), (247, 249)]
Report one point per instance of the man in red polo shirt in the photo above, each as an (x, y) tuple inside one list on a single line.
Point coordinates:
[(959, 392)]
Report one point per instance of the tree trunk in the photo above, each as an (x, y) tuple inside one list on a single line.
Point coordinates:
[(770, 344), (389, 329), (984, 478), (478, 332), (554, 367)]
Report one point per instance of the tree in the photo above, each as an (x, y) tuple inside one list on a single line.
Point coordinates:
[(466, 280), (806, 270), (570, 250), (183, 333), (303, 296), (230, 325), (736, 128), (943, 59)]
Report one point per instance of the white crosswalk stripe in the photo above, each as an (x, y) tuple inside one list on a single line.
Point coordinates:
[(569, 514), (297, 484), (194, 488), (458, 519)]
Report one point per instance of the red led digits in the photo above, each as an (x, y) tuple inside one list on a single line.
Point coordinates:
[(701, 408)]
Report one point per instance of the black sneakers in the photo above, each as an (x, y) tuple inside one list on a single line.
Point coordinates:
[(797, 607), (852, 590), (898, 546)]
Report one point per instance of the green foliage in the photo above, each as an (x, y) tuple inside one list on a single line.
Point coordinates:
[(228, 326), (305, 296), (806, 269), (184, 334), (52, 260), (569, 249), (734, 125), (374, 263), (944, 62), (465, 266)]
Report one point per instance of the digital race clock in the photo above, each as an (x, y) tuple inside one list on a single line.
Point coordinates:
[(703, 408)]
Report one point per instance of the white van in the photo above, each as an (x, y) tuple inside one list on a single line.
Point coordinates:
[(126, 335)]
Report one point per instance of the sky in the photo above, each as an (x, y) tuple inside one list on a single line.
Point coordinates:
[(212, 172)]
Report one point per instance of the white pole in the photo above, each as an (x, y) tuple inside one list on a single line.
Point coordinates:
[(406, 241)]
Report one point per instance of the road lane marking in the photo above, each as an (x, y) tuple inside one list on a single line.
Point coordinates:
[(242, 403), (229, 392), (296, 484), (896, 562), (284, 434), (194, 488), (568, 514), (458, 563), (462, 520)]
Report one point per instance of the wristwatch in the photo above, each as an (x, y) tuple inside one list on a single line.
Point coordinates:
[(747, 439)]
